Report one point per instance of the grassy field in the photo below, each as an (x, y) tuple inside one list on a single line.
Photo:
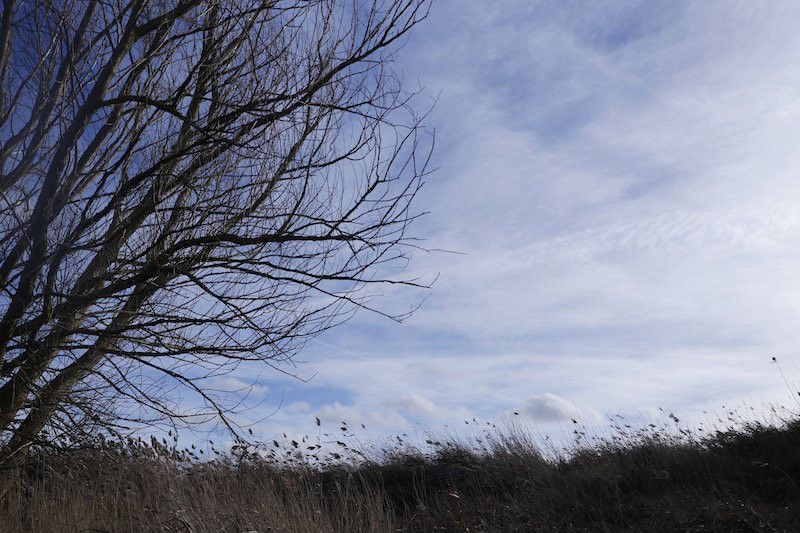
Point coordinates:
[(643, 480)]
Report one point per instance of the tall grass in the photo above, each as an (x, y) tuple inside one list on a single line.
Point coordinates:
[(637, 479)]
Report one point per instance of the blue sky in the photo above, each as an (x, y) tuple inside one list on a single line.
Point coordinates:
[(621, 181)]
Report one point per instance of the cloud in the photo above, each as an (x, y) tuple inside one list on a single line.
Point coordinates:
[(621, 179), (417, 406), (235, 385), (549, 408), (373, 419), (300, 407)]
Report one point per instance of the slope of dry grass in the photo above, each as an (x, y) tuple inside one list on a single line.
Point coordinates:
[(743, 480)]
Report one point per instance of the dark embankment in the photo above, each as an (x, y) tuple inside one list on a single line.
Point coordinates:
[(744, 480)]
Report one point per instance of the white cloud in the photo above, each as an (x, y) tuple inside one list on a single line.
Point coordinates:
[(298, 407), (627, 199), (374, 419), (236, 385), (549, 407), (420, 407)]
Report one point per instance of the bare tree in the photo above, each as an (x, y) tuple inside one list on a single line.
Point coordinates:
[(188, 185)]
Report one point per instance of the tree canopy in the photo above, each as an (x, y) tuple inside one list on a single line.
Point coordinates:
[(187, 185)]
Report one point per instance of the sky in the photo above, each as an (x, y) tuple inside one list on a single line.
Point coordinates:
[(620, 183)]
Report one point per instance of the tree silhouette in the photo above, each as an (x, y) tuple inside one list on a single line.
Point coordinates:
[(188, 185)]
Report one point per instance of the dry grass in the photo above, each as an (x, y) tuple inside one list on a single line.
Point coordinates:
[(743, 480)]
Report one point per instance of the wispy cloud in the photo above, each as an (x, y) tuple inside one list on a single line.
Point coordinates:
[(621, 179)]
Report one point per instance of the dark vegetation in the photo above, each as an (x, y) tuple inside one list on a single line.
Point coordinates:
[(651, 479)]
